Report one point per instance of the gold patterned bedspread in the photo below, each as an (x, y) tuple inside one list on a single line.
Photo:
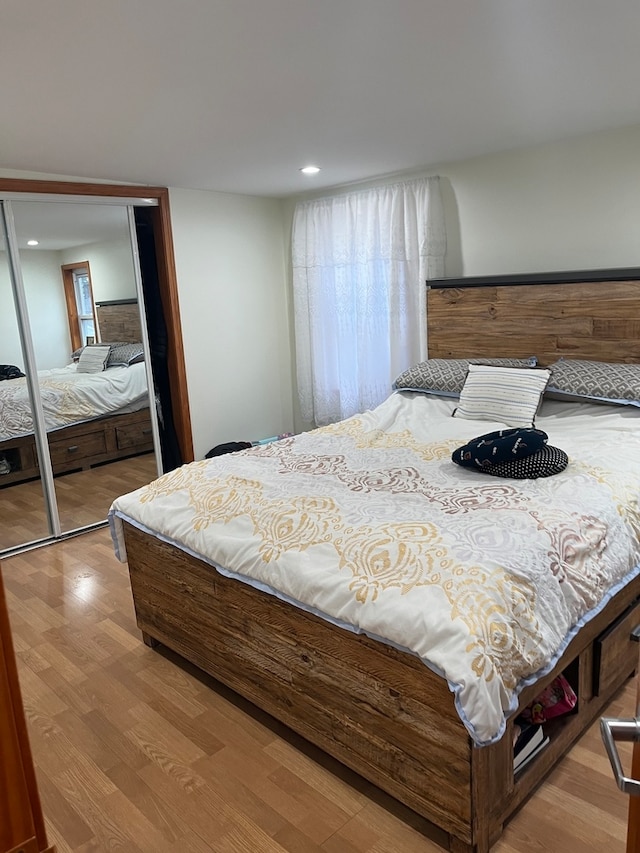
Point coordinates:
[(69, 397), (369, 522)]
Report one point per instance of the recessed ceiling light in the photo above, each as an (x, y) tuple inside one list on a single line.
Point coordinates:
[(32, 242), (310, 170)]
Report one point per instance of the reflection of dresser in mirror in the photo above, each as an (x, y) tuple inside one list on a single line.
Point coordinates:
[(22, 828)]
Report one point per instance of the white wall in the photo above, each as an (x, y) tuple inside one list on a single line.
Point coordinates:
[(573, 205), (10, 350), (46, 308), (569, 205), (234, 308), (111, 265), (112, 275), (232, 284)]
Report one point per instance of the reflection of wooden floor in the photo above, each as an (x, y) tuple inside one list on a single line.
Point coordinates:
[(84, 497), (137, 754)]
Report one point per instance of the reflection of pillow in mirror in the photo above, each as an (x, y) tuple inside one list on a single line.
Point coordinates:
[(122, 355), (93, 359), (75, 355), (504, 395)]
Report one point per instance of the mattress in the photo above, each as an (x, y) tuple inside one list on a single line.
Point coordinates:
[(69, 397), (369, 524)]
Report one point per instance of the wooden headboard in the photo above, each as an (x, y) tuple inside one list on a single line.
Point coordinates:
[(119, 320), (591, 315)]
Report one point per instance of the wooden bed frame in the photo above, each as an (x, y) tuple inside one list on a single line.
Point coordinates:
[(80, 446), (380, 711)]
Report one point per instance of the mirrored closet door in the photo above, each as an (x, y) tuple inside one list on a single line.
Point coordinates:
[(80, 427), (23, 512)]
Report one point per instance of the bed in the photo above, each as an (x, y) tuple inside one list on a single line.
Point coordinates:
[(296, 605), (91, 418)]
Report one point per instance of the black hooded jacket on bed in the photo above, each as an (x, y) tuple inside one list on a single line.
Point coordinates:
[(504, 445), (521, 453), (10, 371)]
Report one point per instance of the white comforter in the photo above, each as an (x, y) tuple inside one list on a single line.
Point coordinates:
[(69, 397), (369, 523)]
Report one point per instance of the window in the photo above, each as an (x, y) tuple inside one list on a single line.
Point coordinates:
[(360, 262), (80, 306)]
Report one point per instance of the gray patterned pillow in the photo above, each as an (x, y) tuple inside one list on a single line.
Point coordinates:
[(575, 379), (122, 355), (446, 376)]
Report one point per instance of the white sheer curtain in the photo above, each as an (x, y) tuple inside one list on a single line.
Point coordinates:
[(360, 262)]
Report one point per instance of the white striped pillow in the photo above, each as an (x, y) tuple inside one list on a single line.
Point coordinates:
[(506, 395), (93, 359)]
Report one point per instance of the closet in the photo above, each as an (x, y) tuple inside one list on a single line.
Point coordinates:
[(88, 264)]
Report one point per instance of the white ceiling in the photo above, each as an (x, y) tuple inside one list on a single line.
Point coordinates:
[(237, 95), (67, 224)]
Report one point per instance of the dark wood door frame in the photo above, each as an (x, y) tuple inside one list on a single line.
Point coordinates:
[(161, 217)]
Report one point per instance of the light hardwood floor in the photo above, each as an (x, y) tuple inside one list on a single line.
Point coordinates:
[(136, 753), (83, 497)]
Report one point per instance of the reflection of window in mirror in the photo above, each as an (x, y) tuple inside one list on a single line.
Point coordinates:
[(80, 306)]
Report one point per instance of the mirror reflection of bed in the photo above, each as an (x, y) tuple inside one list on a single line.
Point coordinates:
[(96, 414)]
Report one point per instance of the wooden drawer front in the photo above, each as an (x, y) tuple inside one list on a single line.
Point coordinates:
[(63, 453), (22, 459), (134, 435), (615, 652)]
